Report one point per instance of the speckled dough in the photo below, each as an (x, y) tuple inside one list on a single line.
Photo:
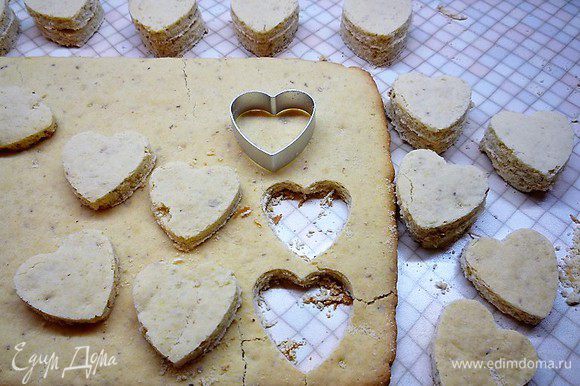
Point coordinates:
[(24, 119), (9, 28), (529, 152), (467, 332), (265, 27), (185, 311), (62, 14), (439, 201), (191, 204), (74, 37), (168, 28), (182, 107), (518, 275), (429, 113), (75, 284), (70, 23), (105, 171), (376, 30)]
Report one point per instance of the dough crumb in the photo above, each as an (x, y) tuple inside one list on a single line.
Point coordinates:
[(570, 272), (288, 348), (443, 286), (330, 294), (451, 13)]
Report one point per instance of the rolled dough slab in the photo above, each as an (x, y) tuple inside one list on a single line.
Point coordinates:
[(182, 107)]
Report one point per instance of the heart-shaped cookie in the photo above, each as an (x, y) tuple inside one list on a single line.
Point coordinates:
[(286, 100), (468, 349), (105, 171), (529, 152), (75, 284), (184, 310), (24, 119), (306, 319), (518, 275), (62, 15), (429, 112), (321, 211), (191, 204), (438, 201)]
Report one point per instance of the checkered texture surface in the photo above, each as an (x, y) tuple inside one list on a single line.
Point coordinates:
[(516, 55)]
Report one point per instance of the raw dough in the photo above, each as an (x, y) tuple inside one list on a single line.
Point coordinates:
[(376, 30), (9, 27), (182, 106), (429, 113), (191, 204), (439, 201), (518, 275), (168, 28), (466, 332), (70, 23), (185, 311), (24, 119), (265, 27), (105, 171), (529, 152), (75, 284)]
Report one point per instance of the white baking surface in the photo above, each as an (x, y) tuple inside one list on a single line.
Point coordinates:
[(517, 55)]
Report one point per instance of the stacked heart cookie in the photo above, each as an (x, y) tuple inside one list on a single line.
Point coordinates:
[(9, 26), (466, 335), (429, 113), (529, 152), (376, 30), (518, 275), (70, 23), (105, 171), (191, 204), (75, 284), (265, 27), (24, 119), (438, 201), (168, 28)]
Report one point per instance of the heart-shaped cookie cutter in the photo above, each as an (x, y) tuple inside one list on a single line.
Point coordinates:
[(257, 100)]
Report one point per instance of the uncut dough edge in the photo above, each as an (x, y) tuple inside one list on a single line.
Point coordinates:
[(187, 122)]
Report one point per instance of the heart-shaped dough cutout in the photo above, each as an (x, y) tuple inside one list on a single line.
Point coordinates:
[(467, 336), (306, 319), (518, 275), (437, 103), (75, 284), (308, 220), (170, 18), (24, 119), (529, 151), (438, 201), (184, 311), (191, 204), (62, 14), (105, 171)]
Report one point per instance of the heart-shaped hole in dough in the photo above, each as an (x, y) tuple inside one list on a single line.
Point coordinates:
[(308, 220), (305, 318), (272, 132)]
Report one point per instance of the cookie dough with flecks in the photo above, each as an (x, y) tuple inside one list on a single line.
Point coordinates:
[(104, 171), (466, 332), (529, 151), (439, 201), (518, 275), (75, 284), (191, 204)]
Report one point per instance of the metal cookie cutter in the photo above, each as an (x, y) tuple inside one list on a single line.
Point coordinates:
[(257, 100)]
